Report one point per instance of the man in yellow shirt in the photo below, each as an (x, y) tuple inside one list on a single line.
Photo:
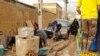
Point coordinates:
[(98, 5), (89, 14)]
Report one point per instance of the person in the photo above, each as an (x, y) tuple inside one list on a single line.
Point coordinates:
[(73, 30), (98, 31), (74, 27), (89, 20), (58, 32), (43, 37), (36, 27), (54, 25), (42, 34), (11, 41)]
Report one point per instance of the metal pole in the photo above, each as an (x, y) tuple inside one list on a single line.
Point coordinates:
[(40, 13), (65, 9)]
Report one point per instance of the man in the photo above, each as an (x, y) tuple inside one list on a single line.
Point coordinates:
[(42, 34), (98, 29), (73, 30), (74, 27), (89, 20), (58, 34)]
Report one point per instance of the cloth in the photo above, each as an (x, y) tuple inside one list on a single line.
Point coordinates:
[(88, 8)]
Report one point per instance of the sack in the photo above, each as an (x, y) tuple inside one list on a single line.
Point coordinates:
[(25, 31)]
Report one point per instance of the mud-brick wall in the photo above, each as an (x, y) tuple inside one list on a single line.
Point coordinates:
[(47, 18), (14, 15), (8, 18)]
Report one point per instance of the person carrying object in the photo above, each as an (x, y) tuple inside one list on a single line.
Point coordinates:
[(89, 15)]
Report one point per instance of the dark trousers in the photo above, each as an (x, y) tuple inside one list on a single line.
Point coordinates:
[(42, 41), (98, 34)]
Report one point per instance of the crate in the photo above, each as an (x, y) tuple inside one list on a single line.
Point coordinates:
[(1, 50)]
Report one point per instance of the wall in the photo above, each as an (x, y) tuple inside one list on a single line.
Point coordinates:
[(48, 17), (59, 11), (49, 6), (14, 15), (54, 8)]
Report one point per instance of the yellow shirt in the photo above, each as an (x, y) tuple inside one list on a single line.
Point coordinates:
[(98, 2), (88, 8)]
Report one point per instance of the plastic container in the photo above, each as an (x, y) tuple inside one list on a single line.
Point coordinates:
[(43, 51), (1, 49)]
